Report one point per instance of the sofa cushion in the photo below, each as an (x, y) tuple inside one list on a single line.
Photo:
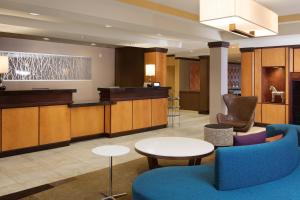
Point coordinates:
[(256, 138)]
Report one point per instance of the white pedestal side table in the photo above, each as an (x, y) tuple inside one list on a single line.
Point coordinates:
[(111, 151)]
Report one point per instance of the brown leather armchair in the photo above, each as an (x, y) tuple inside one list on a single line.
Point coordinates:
[(240, 112)]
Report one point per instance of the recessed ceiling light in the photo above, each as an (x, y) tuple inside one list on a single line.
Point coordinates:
[(93, 44), (45, 38), (108, 26), (34, 14)]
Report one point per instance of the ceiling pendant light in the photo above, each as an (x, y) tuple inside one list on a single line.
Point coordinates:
[(243, 17)]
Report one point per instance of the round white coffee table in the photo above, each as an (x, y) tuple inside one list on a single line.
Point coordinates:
[(173, 148), (111, 151)]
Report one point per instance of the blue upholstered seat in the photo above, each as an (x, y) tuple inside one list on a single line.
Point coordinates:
[(268, 178)]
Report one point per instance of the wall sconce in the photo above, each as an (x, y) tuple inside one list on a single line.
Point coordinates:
[(150, 70), (4, 63)]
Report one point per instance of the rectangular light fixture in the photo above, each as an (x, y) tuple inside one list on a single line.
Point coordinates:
[(150, 70), (244, 17)]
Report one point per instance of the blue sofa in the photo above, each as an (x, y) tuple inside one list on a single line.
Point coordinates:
[(255, 172)]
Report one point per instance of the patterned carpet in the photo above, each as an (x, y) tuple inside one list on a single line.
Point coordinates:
[(90, 186)]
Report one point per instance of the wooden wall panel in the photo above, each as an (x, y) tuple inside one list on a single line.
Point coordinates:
[(129, 67), (257, 74), (121, 116), (247, 62), (287, 77), (287, 114), (190, 100), (20, 128), (296, 60), (291, 59), (273, 57), (273, 114), (159, 112), (160, 61), (141, 113), (87, 121), (258, 113), (54, 124)]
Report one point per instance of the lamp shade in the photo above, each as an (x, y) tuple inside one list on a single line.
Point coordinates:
[(150, 69), (4, 64), (245, 15)]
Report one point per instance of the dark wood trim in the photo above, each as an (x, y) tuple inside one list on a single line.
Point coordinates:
[(171, 55), (218, 44), (131, 93), (294, 76), (173, 158), (204, 57), (247, 50), (184, 58), (234, 63), (25, 193), (155, 49), (88, 137), (203, 112), (261, 124), (28, 98), (112, 135), (88, 104), (33, 149)]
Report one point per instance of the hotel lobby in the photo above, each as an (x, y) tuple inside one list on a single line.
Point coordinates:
[(149, 99)]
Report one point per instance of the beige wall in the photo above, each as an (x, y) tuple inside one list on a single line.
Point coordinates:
[(103, 66)]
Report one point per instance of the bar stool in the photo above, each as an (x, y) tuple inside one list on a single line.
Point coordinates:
[(174, 109), (111, 151)]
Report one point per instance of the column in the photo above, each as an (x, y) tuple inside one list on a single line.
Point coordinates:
[(158, 57), (218, 78)]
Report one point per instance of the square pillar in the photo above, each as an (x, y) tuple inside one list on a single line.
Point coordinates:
[(218, 78)]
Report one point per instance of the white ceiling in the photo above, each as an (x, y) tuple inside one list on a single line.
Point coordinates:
[(281, 7), (85, 20)]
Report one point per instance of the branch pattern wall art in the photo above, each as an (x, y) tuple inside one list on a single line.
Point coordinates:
[(49, 67)]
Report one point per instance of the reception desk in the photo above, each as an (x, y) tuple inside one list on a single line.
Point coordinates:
[(31, 119), (134, 109)]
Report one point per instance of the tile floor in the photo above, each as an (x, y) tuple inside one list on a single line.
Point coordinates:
[(30, 170)]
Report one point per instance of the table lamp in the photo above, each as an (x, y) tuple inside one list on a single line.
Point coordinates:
[(3, 69), (150, 70)]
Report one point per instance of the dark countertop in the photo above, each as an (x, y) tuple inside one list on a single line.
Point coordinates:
[(90, 103), (132, 93), (36, 91), (35, 97)]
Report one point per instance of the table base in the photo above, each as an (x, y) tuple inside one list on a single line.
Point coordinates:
[(113, 197), (153, 162)]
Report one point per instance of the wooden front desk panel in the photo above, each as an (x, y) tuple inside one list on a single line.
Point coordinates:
[(258, 113), (273, 57), (159, 111), (87, 121), (141, 113), (121, 117), (20, 128), (54, 124), (273, 114)]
